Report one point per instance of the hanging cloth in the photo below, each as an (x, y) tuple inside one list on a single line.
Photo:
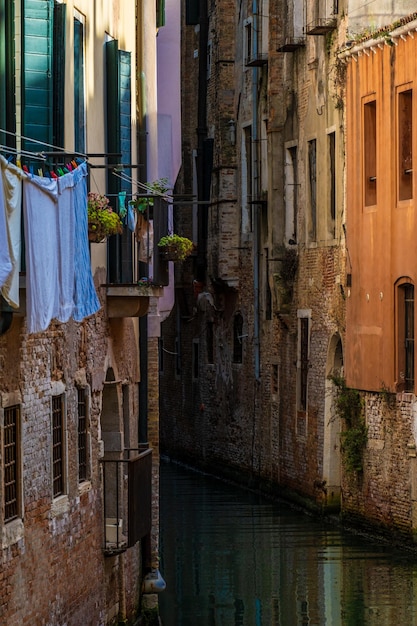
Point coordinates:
[(40, 211), (11, 176), (86, 301), (5, 258)]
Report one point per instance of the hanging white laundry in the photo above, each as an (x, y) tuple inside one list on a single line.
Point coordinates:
[(40, 209), (12, 188), (66, 250), (5, 259), (86, 301)]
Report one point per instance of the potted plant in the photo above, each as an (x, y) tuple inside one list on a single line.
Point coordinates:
[(102, 220), (143, 203), (175, 248)]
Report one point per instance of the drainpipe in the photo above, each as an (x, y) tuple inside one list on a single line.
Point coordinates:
[(202, 136), (256, 245)]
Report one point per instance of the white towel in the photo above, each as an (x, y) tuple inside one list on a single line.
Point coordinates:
[(12, 187), (5, 258)]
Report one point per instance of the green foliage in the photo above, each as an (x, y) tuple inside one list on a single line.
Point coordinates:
[(157, 187), (349, 407), (102, 220), (176, 248)]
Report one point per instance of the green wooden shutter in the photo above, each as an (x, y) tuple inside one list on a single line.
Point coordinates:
[(160, 13), (59, 74), (37, 75), (7, 72), (119, 141)]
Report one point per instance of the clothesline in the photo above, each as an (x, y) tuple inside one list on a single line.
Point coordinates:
[(144, 186)]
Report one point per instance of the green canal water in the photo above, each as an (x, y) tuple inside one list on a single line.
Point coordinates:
[(231, 558)]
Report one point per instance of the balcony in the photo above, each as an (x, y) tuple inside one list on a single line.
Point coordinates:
[(321, 26), (258, 59), (291, 44), (127, 500)]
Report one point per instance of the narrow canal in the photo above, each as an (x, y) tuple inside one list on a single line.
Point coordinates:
[(231, 558)]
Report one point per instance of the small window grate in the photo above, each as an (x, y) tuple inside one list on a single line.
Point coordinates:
[(11, 423), (57, 446), (82, 435)]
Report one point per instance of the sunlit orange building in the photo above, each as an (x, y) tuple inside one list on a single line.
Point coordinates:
[(381, 210)]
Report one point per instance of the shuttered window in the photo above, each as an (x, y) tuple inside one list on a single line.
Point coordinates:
[(37, 75), (119, 142), (7, 88)]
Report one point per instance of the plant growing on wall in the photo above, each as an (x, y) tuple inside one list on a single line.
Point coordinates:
[(353, 438)]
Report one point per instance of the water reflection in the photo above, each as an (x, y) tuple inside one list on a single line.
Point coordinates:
[(230, 558)]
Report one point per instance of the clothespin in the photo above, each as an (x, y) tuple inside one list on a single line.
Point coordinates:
[(25, 169), (69, 167), (10, 158), (74, 163), (18, 163), (53, 175), (40, 172)]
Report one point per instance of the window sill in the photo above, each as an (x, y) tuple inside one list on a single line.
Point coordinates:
[(60, 506), (12, 532)]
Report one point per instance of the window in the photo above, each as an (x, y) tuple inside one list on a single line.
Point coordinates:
[(160, 13), (79, 97), (405, 330), (312, 180), (119, 141), (247, 40), (274, 381), (237, 338), (369, 150), (209, 57), (291, 194), (58, 449), (303, 364), (11, 463), (7, 56), (82, 435), (405, 154), (192, 12), (247, 179), (331, 138)]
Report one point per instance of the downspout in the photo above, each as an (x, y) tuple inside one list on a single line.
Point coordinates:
[(201, 137), (143, 321), (255, 206)]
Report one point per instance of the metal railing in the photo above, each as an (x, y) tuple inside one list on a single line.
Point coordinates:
[(127, 499)]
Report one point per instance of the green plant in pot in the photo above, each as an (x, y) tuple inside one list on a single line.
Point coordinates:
[(143, 203), (175, 248), (102, 220)]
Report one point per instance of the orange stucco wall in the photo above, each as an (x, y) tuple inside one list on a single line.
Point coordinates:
[(381, 239)]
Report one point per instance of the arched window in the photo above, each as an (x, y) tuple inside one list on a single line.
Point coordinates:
[(405, 336)]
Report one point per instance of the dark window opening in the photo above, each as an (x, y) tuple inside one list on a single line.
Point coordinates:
[(11, 462), (312, 175), (57, 445), (332, 190), (406, 336), (370, 153), (405, 154), (304, 324), (82, 435)]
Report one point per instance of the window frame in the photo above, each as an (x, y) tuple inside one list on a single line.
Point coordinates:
[(405, 370), (86, 462), (404, 128), (17, 463), (60, 446), (369, 151), (303, 366)]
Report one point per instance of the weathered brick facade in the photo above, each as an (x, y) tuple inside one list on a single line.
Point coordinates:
[(268, 313)]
